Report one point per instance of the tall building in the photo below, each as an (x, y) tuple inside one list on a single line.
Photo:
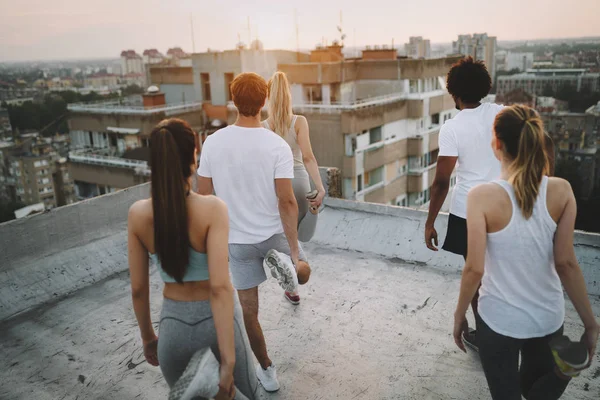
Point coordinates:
[(152, 56), (131, 62), (480, 46), (213, 72), (110, 140), (542, 81), (377, 119), (417, 47), (510, 61)]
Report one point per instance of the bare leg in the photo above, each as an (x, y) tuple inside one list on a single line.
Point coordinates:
[(303, 270), (249, 302)]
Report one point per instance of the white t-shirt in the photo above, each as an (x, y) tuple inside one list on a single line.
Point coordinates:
[(243, 164), (468, 136)]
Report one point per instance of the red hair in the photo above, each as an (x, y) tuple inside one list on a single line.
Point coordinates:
[(249, 91)]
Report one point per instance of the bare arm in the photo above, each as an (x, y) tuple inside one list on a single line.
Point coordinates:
[(308, 157), (221, 290), (205, 186), (474, 267), (288, 210), (140, 283), (439, 191), (569, 271)]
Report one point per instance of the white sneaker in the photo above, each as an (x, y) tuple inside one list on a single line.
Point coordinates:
[(201, 378), (282, 269), (268, 378)]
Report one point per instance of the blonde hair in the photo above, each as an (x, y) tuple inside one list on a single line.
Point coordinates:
[(280, 103), (521, 130)]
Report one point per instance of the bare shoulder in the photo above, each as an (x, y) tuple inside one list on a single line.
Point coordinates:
[(489, 195), (559, 185), (141, 209), (210, 207), (301, 122)]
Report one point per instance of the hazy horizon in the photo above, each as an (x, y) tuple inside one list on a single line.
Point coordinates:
[(34, 30)]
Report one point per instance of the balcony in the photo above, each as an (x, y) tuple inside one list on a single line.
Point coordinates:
[(97, 159), (115, 107)]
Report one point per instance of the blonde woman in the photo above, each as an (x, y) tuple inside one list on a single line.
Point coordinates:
[(294, 129)]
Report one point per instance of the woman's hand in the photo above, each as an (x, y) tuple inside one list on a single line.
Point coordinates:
[(226, 386), (590, 339), (317, 201), (151, 351), (460, 326)]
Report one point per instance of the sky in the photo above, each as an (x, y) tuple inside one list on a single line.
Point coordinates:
[(67, 29)]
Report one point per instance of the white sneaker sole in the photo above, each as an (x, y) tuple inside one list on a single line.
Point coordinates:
[(269, 388), (284, 272), (201, 378)]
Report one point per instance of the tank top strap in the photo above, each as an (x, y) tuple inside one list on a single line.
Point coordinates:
[(292, 131), (508, 189)]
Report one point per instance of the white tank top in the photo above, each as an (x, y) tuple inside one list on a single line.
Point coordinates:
[(292, 139), (521, 294)]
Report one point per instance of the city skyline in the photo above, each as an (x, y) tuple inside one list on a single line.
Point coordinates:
[(79, 31)]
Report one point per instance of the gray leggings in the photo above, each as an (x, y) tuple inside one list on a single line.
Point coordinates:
[(307, 221), (188, 326)]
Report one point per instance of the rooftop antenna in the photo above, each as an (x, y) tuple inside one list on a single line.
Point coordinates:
[(297, 31), (341, 31), (192, 26)]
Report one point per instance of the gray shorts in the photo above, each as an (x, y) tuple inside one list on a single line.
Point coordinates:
[(246, 260)]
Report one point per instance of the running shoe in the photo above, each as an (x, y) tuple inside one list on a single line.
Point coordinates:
[(200, 378), (570, 357), (293, 298), (282, 269), (470, 339), (268, 378)]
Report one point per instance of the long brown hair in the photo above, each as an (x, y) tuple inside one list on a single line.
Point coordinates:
[(521, 130), (280, 103), (172, 149)]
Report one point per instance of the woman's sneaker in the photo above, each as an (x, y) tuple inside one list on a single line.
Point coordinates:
[(570, 357), (268, 378), (282, 269), (200, 379), (293, 298)]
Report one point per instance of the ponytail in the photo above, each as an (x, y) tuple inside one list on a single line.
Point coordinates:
[(172, 148), (280, 103), (522, 132)]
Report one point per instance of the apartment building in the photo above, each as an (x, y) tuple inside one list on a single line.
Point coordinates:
[(176, 82), (109, 81), (509, 60), (539, 81), (480, 46), (417, 47), (377, 119), (213, 72), (131, 62), (110, 140), (152, 56)]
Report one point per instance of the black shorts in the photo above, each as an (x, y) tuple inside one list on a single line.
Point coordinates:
[(456, 236)]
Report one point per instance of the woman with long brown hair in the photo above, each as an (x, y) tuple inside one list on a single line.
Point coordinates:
[(521, 250), (186, 235), (294, 129)]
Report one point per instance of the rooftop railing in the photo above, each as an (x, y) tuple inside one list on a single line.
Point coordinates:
[(115, 107), (98, 159)]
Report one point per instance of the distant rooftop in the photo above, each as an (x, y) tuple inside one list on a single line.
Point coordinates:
[(115, 107), (375, 321)]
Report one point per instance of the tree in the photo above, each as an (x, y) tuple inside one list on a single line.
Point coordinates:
[(132, 89)]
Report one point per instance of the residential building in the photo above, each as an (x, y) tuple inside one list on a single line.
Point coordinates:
[(516, 96), (213, 72), (108, 81), (133, 79), (178, 57), (152, 56), (110, 140), (5, 126), (545, 104), (481, 47), (176, 82), (417, 47), (377, 120), (131, 62), (510, 61), (542, 81)]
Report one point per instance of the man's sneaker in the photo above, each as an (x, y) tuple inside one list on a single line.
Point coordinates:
[(200, 379), (268, 378), (570, 357), (293, 298), (282, 269), (470, 339)]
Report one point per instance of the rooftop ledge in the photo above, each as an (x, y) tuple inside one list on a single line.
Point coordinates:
[(114, 107), (374, 322)]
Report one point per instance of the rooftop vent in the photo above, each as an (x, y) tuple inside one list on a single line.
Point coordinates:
[(153, 89)]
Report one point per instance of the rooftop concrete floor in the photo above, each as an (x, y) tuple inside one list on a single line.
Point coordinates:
[(367, 328)]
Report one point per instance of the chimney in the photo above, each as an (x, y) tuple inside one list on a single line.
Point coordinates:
[(153, 97)]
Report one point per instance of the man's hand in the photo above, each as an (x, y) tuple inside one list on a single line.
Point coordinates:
[(590, 339), (431, 236)]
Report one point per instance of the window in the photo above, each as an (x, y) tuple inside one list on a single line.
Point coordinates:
[(435, 119), (359, 183), (375, 135), (205, 84), (228, 80), (374, 177)]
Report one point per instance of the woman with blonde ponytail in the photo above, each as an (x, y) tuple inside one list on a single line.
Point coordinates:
[(521, 249), (294, 129)]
